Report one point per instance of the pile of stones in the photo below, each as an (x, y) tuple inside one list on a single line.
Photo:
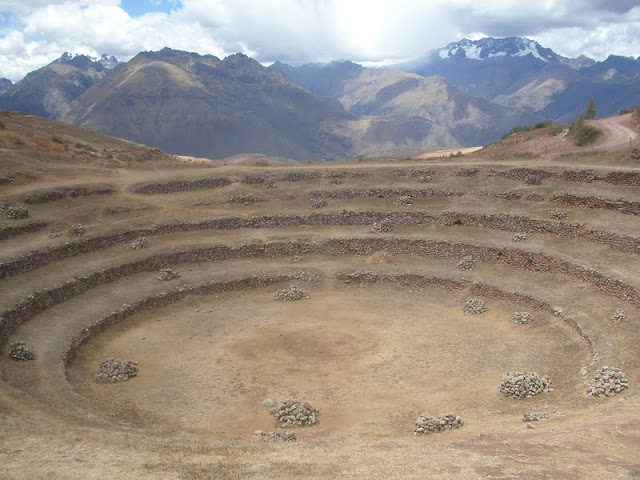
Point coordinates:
[(260, 436), (404, 200), (167, 274), (524, 385), (138, 244), (290, 294), (270, 183), (318, 203), (16, 213), (618, 316), (293, 413), (558, 215), (519, 237), (383, 226), (77, 229), (607, 382), (533, 179), (19, 352), (474, 306), (522, 318), (467, 263), (335, 181), (535, 416), (116, 370), (426, 424)]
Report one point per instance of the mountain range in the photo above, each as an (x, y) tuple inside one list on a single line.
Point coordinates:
[(466, 93)]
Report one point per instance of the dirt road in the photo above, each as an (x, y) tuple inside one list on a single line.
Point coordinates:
[(618, 132)]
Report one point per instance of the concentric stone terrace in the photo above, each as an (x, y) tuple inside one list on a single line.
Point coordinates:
[(409, 299)]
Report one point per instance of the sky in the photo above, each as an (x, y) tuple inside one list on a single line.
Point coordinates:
[(33, 33)]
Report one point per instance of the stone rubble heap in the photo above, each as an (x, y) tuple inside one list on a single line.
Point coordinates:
[(77, 229), (618, 316), (533, 179), (524, 385), (116, 370), (318, 203), (167, 274), (467, 263), (607, 382), (293, 413), (383, 226), (519, 237), (426, 424), (522, 318), (16, 213), (535, 416), (19, 352), (260, 436), (404, 200), (474, 306), (290, 294), (270, 183), (558, 215), (138, 244)]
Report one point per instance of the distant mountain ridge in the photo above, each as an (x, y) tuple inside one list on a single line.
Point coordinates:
[(519, 72)]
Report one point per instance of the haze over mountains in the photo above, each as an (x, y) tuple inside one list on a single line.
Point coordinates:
[(467, 93)]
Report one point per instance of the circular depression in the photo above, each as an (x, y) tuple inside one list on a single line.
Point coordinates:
[(369, 357)]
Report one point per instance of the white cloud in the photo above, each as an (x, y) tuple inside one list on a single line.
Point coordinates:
[(35, 32)]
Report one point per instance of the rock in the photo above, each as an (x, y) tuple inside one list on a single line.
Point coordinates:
[(523, 385), (383, 226), (294, 413), (618, 316), (19, 352), (474, 306), (467, 263), (318, 203), (558, 215), (270, 183), (290, 294), (522, 318), (15, 213), (116, 370), (139, 243), (519, 237), (77, 229), (608, 381), (167, 274), (427, 424), (404, 200)]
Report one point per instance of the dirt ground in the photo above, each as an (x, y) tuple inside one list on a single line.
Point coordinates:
[(370, 357)]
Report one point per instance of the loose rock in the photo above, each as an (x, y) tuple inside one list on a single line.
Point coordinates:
[(404, 200), (260, 436), (426, 424), (19, 352), (523, 385), (607, 382), (138, 244), (167, 274), (558, 215), (116, 370), (474, 306), (467, 263), (270, 183), (383, 226), (318, 203), (519, 237), (618, 316), (294, 413), (290, 294), (522, 318), (16, 213), (77, 229)]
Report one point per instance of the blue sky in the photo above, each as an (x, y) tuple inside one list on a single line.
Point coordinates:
[(33, 33), (136, 8)]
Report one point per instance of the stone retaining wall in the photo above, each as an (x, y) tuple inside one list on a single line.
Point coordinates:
[(14, 231), (174, 186), (45, 196)]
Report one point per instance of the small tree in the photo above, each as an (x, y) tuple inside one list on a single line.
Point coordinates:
[(591, 110)]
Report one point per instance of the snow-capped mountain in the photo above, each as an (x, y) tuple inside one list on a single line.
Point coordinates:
[(496, 47), (83, 61)]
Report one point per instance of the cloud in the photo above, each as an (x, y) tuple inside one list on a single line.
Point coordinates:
[(35, 32)]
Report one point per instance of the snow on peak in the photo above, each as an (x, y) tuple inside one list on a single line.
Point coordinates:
[(496, 47)]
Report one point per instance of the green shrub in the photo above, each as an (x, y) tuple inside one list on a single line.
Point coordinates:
[(583, 133), (56, 139)]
